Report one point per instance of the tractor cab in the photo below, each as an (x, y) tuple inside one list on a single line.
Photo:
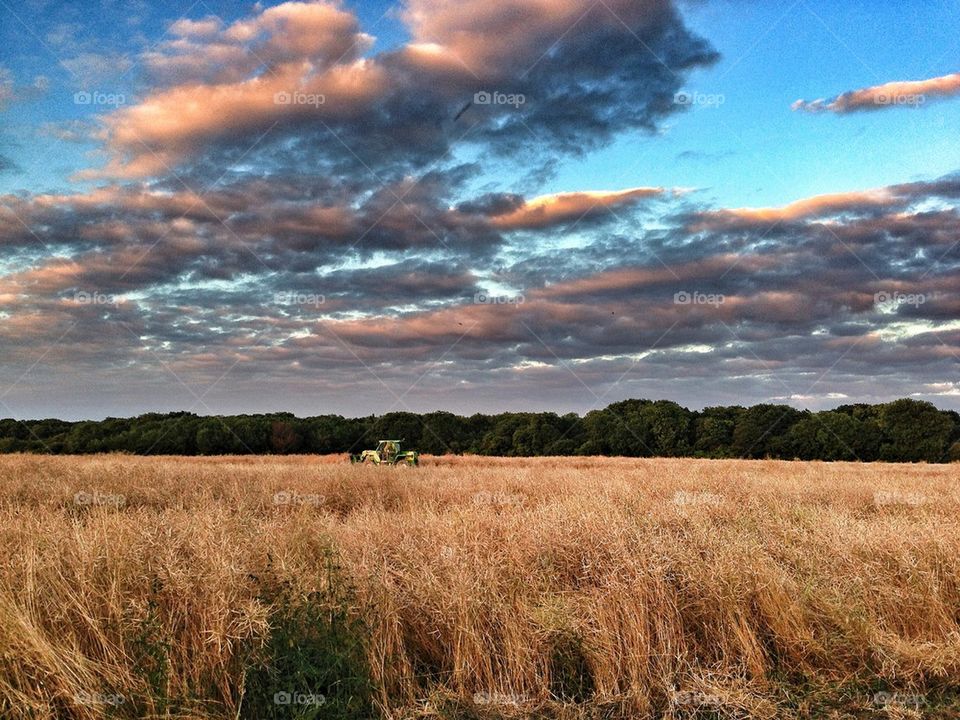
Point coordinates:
[(388, 453), (388, 450)]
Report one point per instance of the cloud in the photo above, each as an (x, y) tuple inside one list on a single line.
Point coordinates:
[(548, 210), (905, 93), (91, 70), (262, 274), (304, 72), (323, 233), (829, 205)]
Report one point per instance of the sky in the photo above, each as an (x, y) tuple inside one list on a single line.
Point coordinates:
[(476, 205)]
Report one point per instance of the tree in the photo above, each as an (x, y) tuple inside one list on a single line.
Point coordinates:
[(914, 431), (284, 437), (443, 432), (406, 426), (670, 426), (833, 436), (761, 429), (499, 439), (904, 430), (713, 431), (617, 431), (213, 437), (535, 435)]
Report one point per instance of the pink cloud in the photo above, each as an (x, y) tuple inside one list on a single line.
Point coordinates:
[(240, 78), (905, 93), (557, 208), (490, 39), (221, 83), (817, 206)]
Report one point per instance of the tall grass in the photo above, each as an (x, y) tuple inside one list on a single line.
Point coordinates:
[(475, 587)]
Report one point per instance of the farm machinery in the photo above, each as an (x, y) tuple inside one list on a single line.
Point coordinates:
[(388, 453)]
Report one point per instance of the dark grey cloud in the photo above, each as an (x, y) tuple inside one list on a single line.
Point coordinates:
[(332, 249)]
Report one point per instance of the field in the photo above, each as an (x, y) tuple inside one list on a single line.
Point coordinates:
[(477, 588)]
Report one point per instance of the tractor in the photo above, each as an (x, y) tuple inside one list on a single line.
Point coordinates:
[(388, 453)]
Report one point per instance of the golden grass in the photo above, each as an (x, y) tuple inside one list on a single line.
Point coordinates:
[(674, 583)]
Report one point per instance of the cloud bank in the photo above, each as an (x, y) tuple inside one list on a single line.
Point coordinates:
[(288, 218)]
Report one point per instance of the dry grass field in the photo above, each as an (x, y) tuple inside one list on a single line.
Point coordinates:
[(477, 588)]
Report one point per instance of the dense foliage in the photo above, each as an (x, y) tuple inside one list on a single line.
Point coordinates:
[(903, 430)]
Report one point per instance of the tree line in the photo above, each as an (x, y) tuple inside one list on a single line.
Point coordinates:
[(900, 431)]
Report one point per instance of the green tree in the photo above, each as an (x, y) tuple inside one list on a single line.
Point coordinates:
[(833, 436), (760, 430), (713, 431), (670, 426), (213, 437), (914, 431)]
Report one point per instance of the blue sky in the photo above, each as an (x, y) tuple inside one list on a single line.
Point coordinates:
[(188, 199), (751, 149)]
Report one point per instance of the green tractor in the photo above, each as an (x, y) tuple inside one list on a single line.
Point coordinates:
[(388, 453)]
